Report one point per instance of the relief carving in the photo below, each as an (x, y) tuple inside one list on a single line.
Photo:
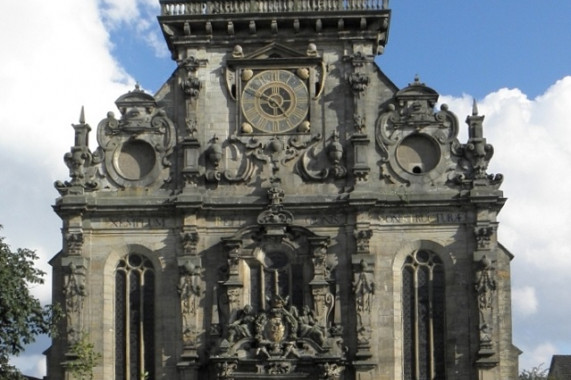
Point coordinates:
[(485, 287), (264, 331), (483, 237), (362, 238), (275, 214), (189, 242), (321, 162), (75, 292), (477, 153), (189, 291), (82, 163), (138, 146), (364, 289), (416, 142), (74, 242), (358, 82), (244, 155)]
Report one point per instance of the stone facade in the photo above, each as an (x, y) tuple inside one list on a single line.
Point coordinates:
[(279, 209)]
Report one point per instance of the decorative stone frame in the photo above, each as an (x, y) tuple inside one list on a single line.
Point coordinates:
[(397, 266), (109, 303)]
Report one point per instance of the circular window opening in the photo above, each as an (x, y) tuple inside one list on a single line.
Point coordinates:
[(418, 154), (135, 160)]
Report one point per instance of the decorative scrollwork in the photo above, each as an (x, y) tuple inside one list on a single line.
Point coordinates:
[(312, 159)]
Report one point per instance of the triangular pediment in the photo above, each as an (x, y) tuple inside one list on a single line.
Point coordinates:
[(275, 50)]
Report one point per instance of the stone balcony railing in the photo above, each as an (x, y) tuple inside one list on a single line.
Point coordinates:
[(220, 7)]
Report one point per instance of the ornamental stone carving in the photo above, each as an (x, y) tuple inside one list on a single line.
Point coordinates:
[(415, 142), (319, 162), (189, 290), (75, 291), (485, 287), (478, 153), (364, 289), (138, 146), (82, 163), (74, 242)]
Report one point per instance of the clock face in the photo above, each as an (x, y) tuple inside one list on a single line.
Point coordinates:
[(275, 101)]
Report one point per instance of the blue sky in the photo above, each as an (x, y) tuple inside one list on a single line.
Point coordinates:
[(476, 47), (513, 56), (455, 46)]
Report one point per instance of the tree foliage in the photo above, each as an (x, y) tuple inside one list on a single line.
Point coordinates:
[(22, 317), (86, 358), (536, 373)]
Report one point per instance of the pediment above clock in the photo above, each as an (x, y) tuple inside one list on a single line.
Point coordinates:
[(275, 50), (274, 53)]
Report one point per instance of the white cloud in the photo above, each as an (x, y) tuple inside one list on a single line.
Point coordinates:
[(56, 59), (532, 142), (31, 365), (540, 355), (524, 300), (137, 16), (61, 60)]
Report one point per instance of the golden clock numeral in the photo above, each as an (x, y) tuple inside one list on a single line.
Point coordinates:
[(300, 89), (250, 113), (276, 127), (275, 101), (299, 113)]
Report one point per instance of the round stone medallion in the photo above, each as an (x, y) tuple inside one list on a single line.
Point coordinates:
[(418, 154), (135, 160)]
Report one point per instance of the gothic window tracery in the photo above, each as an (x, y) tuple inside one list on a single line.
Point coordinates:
[(134, 315), (423, 298)]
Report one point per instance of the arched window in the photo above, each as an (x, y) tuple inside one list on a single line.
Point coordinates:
[(423, 317), (134, 316), (273, 273)]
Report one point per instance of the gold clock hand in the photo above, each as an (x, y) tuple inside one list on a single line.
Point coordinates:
[(271, 102)]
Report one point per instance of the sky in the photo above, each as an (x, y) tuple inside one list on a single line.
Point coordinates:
[(512, 56)]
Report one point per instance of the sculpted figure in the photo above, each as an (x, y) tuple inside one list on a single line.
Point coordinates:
[(241, 328), (75, 292), (485, 284), (189, 293), (364, 288), (308, 326)]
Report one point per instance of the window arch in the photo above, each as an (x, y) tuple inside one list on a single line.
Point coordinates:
[(423, 305), (272, 273), (134, 318)]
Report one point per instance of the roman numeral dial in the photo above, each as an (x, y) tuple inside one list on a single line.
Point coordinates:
[(275, 101)]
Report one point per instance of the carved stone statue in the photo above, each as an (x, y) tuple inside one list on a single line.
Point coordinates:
[(242, 327), (309, 328), (189, 291), (485, 284), (363, 288), (75, 292)]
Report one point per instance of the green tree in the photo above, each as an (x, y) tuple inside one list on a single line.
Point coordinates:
[(85, 358), (22, 317), (536, 373)]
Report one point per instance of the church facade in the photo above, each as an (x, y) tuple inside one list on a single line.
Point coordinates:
[(279, 209)]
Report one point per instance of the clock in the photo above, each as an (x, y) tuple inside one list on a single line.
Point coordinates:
[(275, 101)]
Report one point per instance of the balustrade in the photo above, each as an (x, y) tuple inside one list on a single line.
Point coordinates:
[(209, 7)]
